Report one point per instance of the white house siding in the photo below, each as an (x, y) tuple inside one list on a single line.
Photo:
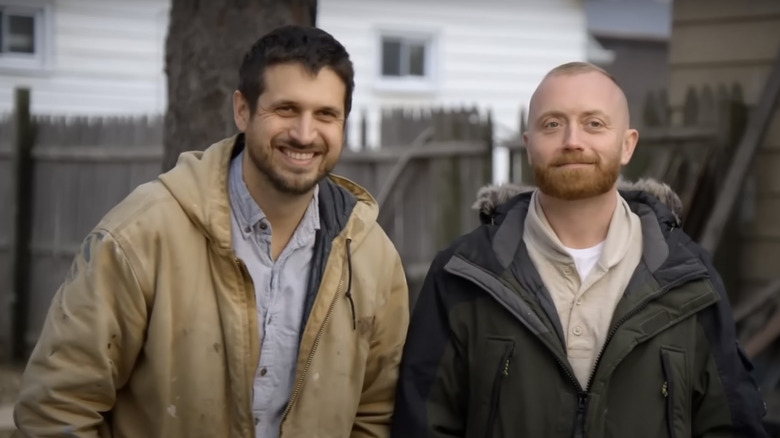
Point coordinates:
[(108, 55), (107, 58), (490, 53)]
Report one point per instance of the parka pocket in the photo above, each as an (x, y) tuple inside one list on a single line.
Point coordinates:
[(675, 390), (506, 347)]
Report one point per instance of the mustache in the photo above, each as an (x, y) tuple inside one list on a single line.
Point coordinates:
[(574, 157), (296, 145)]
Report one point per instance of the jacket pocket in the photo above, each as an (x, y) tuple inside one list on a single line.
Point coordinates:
[(675, 390), (507, 348)]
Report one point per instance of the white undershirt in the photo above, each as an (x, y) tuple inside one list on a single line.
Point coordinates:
[(585, 259)]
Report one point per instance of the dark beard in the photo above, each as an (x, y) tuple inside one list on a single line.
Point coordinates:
[(289, 184)]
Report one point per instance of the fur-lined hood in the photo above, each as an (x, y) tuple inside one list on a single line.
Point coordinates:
[(490, 197)]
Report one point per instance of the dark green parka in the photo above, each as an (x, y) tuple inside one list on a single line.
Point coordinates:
[(485, 356)]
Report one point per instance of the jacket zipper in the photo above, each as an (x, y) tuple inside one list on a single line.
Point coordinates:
[(668, 392), (243, 273), (582, 405), (310, 358), (582, 395), (501, 372), (581, 409), (637, 309)]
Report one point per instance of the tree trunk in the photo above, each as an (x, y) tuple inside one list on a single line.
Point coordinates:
[(205, 45)]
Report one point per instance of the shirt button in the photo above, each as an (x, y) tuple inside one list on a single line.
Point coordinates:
[(263, 372), (577, 330), (263, 225), (257, 421), (567, 271), (248, 229), (579, 302)]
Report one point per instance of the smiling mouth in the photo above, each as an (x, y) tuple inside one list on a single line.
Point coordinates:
[(296, 155)]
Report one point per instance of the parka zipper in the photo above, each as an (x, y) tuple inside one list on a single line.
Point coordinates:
[(582, 398), (501, 372), (641, 306), (580, 428), (582, 405), (583, 394), (668, 392)]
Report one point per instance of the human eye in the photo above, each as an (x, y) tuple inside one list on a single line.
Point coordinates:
[(285, 109), (327, 114), (595, 124)]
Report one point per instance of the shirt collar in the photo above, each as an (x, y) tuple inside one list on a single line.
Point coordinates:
[(623, 223)]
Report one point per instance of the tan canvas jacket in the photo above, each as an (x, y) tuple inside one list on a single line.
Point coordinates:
[(154, 331)]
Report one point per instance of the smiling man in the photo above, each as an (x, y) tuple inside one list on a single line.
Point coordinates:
[(576, 309), (246, 293)]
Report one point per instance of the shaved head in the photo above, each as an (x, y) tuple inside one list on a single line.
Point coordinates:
[(578, 132), (583, 68)]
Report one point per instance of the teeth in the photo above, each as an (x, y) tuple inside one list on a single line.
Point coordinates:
[(299, 155)]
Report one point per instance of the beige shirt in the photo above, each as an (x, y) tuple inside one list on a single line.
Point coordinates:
[(585, 306)]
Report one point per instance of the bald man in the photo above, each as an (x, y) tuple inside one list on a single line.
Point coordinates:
[(575, 309)]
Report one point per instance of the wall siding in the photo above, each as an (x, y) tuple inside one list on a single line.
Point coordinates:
[(107, 59), (490, 54), (109, 55)]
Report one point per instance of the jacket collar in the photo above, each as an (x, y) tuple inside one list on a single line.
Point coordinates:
[(199, 183), (504, 208)]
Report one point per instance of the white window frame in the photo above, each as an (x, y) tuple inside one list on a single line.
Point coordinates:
[(40, 61), (420, 84)]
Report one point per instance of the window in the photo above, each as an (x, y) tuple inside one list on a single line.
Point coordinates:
[(406, 60), (404, 57), (24, 29), (17, 32)]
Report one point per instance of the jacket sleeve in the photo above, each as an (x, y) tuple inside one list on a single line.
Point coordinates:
[(727, 401), (433, 383), (92, 334), (391, 321)]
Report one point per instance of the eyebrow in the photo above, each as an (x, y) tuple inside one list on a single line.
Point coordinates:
[(598, 113), (555, 113), (547, 114)]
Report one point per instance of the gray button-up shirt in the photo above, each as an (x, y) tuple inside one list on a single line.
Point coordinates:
[(280, 290)]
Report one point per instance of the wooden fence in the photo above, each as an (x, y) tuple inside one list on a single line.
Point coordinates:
[(425, 177), (60, 177), (57, 181)]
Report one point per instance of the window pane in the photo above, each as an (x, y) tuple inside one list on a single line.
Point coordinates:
[(391, 58), (21, 34), (417, 59)]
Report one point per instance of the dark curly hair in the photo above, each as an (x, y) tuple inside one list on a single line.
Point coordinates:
[(311, 47)]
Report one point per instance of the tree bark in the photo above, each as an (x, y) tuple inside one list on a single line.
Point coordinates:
[(205, 45)]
